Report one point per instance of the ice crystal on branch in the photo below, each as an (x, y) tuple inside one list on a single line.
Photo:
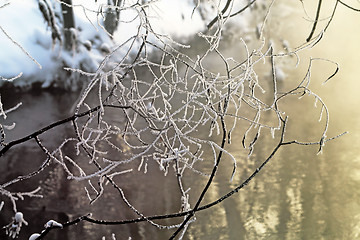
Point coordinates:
[(14, 227), (151, 101)]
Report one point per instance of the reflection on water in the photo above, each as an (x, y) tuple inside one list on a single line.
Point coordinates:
[(299, 195)]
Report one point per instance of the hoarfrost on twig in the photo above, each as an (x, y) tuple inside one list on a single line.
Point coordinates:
[(173, 111), (53, 223), (34, 236), (14, 227)]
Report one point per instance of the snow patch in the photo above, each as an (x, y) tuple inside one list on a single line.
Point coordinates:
[(29, 29)]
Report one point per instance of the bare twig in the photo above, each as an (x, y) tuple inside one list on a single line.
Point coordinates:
[(315, 21)]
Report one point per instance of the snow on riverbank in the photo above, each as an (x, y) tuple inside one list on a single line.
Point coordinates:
[(27, 48)]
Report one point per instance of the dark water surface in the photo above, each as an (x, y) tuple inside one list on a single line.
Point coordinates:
[(299, 195)]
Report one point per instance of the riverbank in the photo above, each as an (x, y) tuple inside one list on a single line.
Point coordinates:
[(30, 58)]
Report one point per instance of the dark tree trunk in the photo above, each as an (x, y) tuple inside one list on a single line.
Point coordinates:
[(69, 22), (112, 16)]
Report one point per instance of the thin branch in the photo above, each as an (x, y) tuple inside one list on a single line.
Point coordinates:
[(185, 213), (348, 6), (222, 13), (315, 21), (22, 49), (213, 173), (281, 143), (51, 126)]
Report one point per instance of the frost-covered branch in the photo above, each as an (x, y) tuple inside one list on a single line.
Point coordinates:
[(151, 101)]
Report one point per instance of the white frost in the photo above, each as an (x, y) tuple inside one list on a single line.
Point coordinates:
[(34, 236), (19, 218), (14, 227), (53, 223)]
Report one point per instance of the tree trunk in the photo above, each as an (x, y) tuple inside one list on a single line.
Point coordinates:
[(112, 16), (69, 22)]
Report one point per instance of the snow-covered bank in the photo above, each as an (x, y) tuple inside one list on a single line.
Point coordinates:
[(27, 48)]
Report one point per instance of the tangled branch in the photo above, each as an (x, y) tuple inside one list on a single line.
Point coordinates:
[(155, 109)]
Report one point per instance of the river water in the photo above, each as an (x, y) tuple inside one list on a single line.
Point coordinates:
[(299, 195)]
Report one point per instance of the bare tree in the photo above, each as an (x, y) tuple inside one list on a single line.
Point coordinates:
[(162, 112)]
